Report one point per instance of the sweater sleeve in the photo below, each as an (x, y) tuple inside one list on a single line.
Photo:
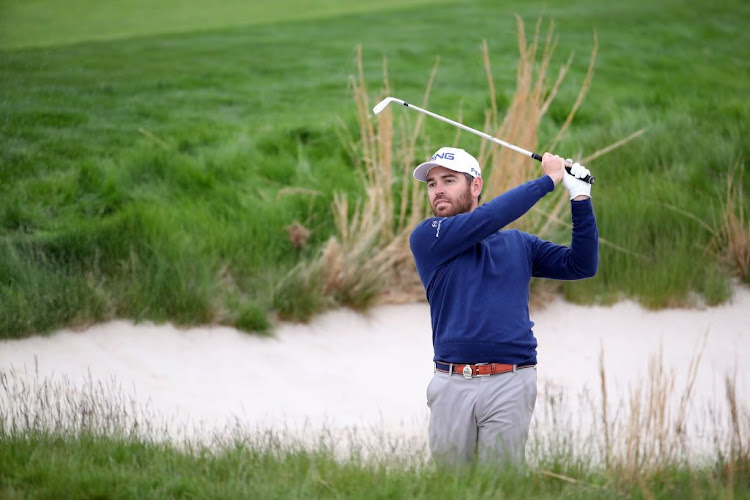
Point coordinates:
[(438, 240), (579, 260)]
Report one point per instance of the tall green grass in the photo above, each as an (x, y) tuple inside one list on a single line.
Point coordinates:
[(154, 177)]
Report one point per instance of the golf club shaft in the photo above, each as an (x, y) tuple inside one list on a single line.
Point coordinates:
[(382, 104)]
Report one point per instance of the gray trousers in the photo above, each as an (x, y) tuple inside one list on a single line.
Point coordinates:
[(484, 418)]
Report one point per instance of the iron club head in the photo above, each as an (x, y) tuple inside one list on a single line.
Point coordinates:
[(385, 102)]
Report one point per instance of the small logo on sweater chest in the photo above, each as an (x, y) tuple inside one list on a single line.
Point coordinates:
[(436, 224)]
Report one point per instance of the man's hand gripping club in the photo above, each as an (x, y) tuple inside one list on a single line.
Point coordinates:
[(553, 165)]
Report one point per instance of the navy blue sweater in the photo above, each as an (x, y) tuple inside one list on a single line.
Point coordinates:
[(477, 277)]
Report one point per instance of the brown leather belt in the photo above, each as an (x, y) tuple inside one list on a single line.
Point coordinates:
[(477, 370)]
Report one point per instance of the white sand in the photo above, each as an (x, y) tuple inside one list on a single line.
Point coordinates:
[(345, 370)]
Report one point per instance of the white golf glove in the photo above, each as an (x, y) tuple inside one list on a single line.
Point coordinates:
[(572, 181)]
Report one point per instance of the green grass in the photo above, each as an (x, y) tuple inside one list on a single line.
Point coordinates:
[(152, 176), (48, 466), (26, 23)]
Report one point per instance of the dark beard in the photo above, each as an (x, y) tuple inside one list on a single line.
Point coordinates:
[(458, 206)]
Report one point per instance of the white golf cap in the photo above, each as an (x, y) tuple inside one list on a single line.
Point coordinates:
[(451, 158)]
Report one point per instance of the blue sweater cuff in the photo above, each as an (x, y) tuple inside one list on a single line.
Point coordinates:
[(549, 183), (581, 207)]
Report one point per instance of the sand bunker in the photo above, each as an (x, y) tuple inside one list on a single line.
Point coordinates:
[(345, 370)]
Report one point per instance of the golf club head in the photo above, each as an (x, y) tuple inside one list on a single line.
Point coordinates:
[(385, 102)]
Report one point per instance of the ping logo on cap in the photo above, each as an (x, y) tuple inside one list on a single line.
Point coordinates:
[(444, 156)]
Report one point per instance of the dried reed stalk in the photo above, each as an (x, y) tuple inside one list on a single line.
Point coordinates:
[(521, 122), (643, 433), (734, 228), (506, 168), (605, 405), (653, 434), (371, 250)]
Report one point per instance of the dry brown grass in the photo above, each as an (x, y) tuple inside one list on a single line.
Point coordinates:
[(654, 425), (371, 248), (369, 258), (653, 433), (372, 242), (521, 121), (733, 232), (298, 234)]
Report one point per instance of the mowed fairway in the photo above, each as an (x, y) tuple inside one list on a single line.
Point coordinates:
[(36, 23), (150, 159)]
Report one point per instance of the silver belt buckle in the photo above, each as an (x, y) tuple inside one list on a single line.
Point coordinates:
[(467, 373)]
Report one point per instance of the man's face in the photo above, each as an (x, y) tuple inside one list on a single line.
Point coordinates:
[(449, 192)]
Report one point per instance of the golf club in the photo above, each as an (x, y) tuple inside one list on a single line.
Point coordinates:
[(385, 102)]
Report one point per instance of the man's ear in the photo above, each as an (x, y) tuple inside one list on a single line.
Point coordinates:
[(476, 186)]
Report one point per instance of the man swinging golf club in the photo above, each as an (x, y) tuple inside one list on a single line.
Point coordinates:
[(476, 277)]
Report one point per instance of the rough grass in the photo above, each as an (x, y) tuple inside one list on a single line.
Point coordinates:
[(59, 439), (154, 177)]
